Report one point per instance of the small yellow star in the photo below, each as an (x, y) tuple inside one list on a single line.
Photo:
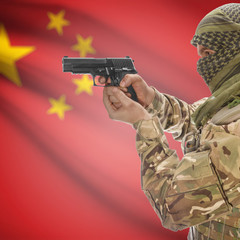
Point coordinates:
[(9, 55), (57, 21), (59, 106), (84, 46), (84, 85)]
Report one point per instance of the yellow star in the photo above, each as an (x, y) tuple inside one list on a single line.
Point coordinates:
[(57, 21), (9, 55), (83, 85), (84, 46), (59, 106)]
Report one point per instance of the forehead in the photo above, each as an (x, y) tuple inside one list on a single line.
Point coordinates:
[(215, 21)]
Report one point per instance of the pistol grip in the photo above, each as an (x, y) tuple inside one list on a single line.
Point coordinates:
[(133, 93)]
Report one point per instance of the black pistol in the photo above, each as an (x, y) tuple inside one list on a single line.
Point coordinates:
[(115, 68)]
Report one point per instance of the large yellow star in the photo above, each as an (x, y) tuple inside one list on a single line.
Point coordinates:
[(84, 85), (84, 46), (9, 55), (57, 21), (59, 106)]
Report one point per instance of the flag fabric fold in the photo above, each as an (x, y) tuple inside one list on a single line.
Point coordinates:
[(68, 171)]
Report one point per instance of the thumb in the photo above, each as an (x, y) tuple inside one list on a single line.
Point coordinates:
[(120, 96), (128, 80)]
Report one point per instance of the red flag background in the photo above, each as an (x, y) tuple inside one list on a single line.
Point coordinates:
[(66, 170)]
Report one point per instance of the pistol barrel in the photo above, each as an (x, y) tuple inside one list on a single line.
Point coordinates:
[(82, 64)]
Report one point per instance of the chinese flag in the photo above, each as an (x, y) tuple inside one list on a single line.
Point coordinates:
[(67, 171)]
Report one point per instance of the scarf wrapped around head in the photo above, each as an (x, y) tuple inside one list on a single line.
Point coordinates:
[(219, 31)]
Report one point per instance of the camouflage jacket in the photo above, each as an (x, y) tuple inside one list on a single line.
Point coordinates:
[(202, 191)]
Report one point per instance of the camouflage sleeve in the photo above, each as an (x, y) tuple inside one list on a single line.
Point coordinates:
[(173, 113), (204, 185)]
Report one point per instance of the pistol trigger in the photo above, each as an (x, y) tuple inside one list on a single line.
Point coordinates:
[(111, 81)]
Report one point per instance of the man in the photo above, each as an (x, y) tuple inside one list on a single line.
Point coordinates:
[(202, 191)]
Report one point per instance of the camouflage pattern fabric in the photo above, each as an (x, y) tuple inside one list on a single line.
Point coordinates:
[(202, 191)]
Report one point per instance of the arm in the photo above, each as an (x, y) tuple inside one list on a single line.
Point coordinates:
[(173, 113), (204, 185)]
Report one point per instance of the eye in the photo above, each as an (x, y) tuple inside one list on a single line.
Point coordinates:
[(208, 52), (204, 51)]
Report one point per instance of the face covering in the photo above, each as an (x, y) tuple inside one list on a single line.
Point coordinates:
[(219, 31), (225, 51)]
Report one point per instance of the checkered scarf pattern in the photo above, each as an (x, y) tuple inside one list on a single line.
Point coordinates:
[(225, 43)]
